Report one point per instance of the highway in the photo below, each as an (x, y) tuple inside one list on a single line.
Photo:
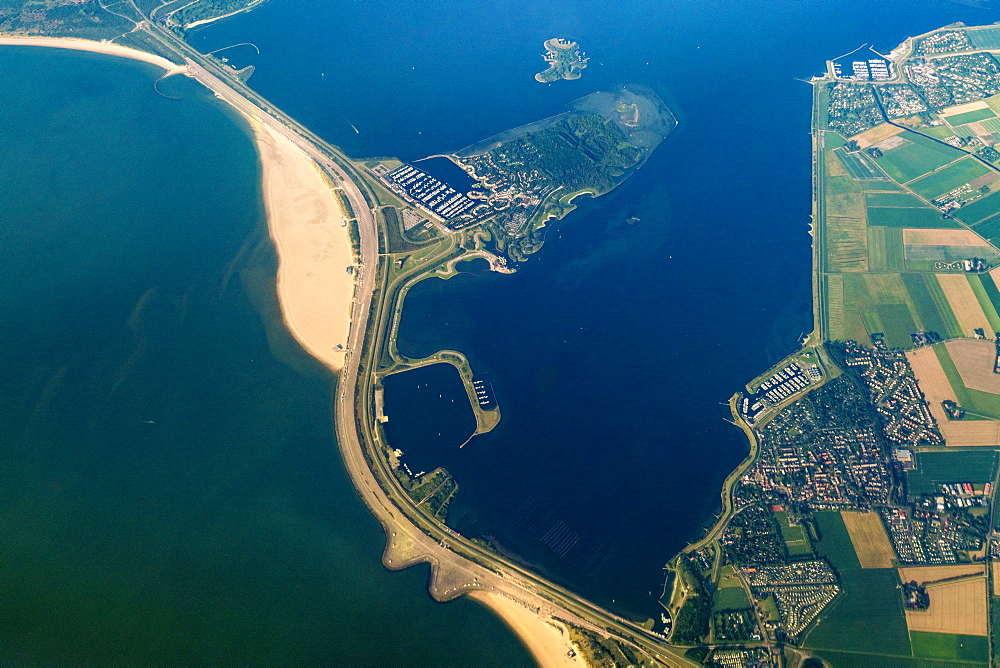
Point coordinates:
[(458, 565)]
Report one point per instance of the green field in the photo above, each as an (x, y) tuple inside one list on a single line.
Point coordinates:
[(885, 249), (909, 217), (893, 199), (949, 178), (984, 296), (970, 117), (933, 312), (980, 209), (991, 290), (795, 536), (916, 157), (898, 323), (950, 646), (730, 598), (989, 228), (934, 468), (939, 132), (985, 38), (867, 617)]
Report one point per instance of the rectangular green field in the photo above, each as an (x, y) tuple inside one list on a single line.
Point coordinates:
[(985, 299), (730, 598), (795, 536), (898, 323), (970, 117), (964, 465), (988, 228), (950, 646), (980, 209), (916, 157), (992, 290), (939, 132), (893, 199), (869, 600), (933, 312), (984, 38), (926, 217), (949, 178)]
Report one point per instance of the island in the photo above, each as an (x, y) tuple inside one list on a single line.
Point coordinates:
[(565, 61), (861, 529)]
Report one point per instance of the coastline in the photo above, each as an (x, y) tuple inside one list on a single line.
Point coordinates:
[(106, 48), (315, 292), (304, 219), (549, 645)]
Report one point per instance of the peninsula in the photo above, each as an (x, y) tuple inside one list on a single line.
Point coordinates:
[(350, 246), (565, 61)]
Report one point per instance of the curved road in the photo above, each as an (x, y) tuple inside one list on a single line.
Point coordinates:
[(458, 565)]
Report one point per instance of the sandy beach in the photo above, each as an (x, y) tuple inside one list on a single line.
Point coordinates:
[(90, 45), (314, 248), (549, 645)]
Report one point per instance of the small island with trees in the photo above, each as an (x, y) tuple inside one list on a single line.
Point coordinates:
[(565, 61)]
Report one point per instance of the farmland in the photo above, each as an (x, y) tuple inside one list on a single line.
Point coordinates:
[(869, 600), (944, 180), (970, 116), (949, 646), (935, 468), (871, 545), (958, 606), (915, 156)]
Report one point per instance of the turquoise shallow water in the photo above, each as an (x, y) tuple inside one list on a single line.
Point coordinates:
[(170, 490)]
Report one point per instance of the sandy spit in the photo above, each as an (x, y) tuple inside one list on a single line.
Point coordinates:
[(306, 224)]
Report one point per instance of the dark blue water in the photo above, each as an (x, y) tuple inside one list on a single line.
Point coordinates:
[(425, 406), (445, 170), (612, 349), (170, 489)]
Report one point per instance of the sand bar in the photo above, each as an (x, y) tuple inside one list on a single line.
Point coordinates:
[(306, 224), (548, 641), (96, 47)]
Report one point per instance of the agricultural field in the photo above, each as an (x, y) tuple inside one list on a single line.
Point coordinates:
[(958, 606), (888, 199), (978, 403), (938, 379), (980, 210), (909, 156), (935, 468), (963, 303), (858, 165), (871, 544), (869, 600), (974, 360), (970, 116), (949, 646), (948, 178), (730, 598), (909, 217)]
